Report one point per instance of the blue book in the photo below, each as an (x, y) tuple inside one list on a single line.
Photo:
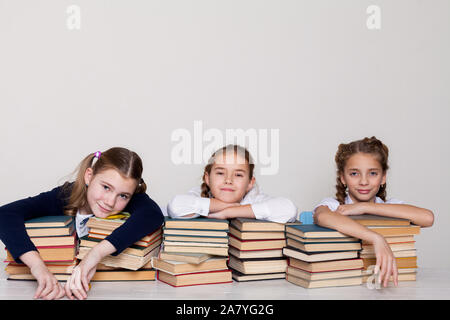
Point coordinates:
[(306, 217), (314, 231)]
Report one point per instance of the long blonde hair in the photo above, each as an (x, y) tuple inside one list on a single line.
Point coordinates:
[(205, 191), (126, 162)]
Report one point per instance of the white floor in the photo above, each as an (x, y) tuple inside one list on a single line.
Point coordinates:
[(430, 284)]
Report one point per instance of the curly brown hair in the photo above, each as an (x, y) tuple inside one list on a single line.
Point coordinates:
[(346, 150)]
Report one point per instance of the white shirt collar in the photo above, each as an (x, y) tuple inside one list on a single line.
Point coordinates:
[(349, 200)]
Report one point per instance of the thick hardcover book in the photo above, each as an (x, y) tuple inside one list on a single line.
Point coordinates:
[(195, 232), (340, 282), (264, 244), (52, 253), (254, 254), (51, 231), (240, 277), (314, 231), (176, 267), (326, 266), (318, 256), (141, 251), (257, 235), (54, 240), (256, 266), (311, 276), (321, 247), (192, 279), (196, 223), (194, 258), (395, 231), (182, 238), (125, 275), (374, 220), (48, 222), (248, 224)]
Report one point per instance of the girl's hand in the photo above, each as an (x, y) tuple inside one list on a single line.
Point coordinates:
[(48, 286), (224, 214), (78, 283), (386, 263), (352, 209), (217, 205)]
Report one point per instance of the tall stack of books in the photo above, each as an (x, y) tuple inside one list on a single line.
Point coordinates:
[(256, 250), (194, 252), (55, 240), (133, 263), (322, 257), (399, 234)]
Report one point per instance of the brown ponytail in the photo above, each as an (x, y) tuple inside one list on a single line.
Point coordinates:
[(126, 162), (367, 145)]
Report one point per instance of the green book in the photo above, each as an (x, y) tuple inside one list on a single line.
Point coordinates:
[(49, 222)]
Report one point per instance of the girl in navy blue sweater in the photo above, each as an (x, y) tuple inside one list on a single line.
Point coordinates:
[(106, 183)]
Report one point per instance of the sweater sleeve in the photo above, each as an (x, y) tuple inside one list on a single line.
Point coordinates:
[(145, 217), (13, 217)]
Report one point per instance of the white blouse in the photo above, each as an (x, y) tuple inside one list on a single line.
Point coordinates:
[(333, 204), (265, 207), (80, 224)]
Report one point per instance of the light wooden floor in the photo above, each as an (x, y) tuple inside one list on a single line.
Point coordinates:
[(430, 284)]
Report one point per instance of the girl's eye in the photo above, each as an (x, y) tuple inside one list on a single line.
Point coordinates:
[(219, 173), (105, 187), (124, 196), (353, 174), (239, 175), (374, 173)]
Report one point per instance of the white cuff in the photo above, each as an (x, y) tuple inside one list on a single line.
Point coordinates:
[(203, 206), (260, 210)]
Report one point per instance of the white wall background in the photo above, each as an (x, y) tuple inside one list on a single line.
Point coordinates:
[(138, 70)]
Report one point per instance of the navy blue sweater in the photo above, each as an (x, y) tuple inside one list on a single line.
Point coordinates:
[(146, 217)]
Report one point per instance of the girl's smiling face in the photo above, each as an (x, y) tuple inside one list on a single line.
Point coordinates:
[(229, 179), (108, 192), (363, 176)]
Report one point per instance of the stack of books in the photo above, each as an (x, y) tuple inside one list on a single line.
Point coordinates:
[(399, 234), (133, 263), (55, 239), (194, 252), (110, 274), (256, 250), (322, 257)]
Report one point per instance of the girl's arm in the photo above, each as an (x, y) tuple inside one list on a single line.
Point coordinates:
[(145, 217), (78, 283), (262, 207), (244, 211), (13, 216), (48, 286), (193, 205), (386, 263), (418, 216)]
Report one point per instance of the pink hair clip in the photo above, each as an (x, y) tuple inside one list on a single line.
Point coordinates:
[(96, 157)]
